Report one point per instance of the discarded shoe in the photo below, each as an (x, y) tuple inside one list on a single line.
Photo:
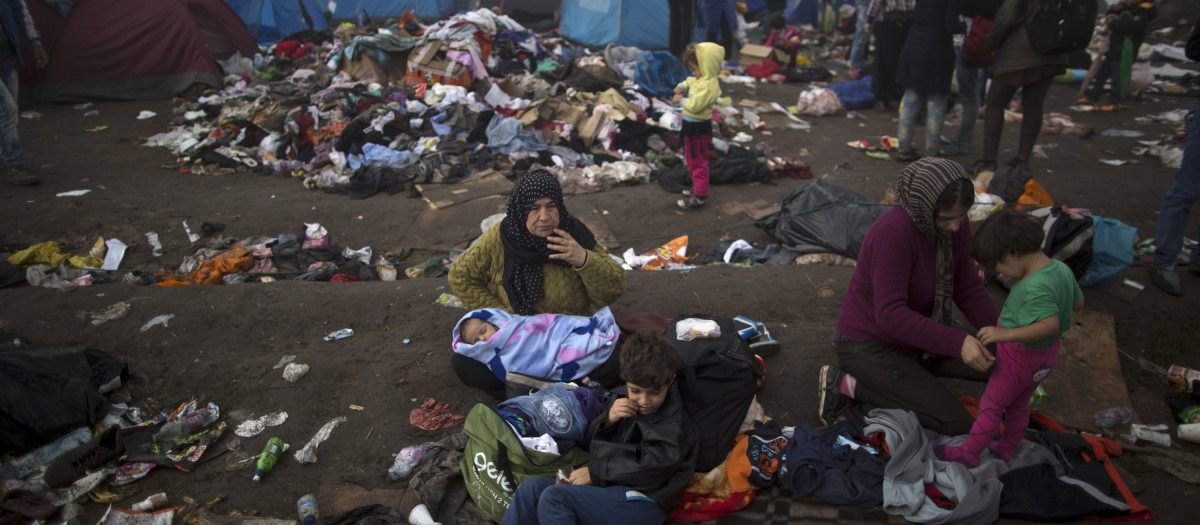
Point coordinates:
[(746, 328), (690, 203), (75, 463), (764, 345)]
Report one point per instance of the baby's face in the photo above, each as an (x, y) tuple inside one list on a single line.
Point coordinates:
[(475, 330)]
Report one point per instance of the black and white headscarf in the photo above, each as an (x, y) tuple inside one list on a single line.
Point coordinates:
[(917, 191), (524, 252)]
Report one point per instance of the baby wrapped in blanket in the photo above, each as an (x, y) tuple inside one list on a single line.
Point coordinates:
[(548, 346)]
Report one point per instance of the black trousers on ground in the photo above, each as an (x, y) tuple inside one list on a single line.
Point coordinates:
[(891, 378)]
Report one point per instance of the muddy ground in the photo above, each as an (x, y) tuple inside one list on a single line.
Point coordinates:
[(224, 340)]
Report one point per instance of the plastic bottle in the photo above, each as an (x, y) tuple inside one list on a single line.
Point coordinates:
[(270, 454), (306, 507), (406, 460), (186, 424), (1111, 417)]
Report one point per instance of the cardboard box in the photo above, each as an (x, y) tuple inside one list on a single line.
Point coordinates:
[(752, 54)]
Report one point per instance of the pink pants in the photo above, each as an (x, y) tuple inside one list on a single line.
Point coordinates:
[(696, 138), (1019, 370)]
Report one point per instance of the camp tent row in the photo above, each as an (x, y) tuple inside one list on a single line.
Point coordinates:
[(130, 49)]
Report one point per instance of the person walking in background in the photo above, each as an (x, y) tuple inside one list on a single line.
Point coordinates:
[(683, 22), (719, 15), (1126, 21), (1173, 219), (971, 78), (925, 70), (14, 22), (890, 20), (1018, 66), (862, 38)]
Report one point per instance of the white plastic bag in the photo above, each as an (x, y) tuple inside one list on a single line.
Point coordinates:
[(819, 101)]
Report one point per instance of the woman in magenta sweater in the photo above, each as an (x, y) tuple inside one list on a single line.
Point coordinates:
[(893, 336)]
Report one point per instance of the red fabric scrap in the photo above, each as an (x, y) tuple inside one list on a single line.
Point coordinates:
[(432, 415)]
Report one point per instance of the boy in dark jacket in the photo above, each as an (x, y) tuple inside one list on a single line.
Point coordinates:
[(642, 454), (1126, 21)]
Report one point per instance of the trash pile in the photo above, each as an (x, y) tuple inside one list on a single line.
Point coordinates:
[(384, 110)]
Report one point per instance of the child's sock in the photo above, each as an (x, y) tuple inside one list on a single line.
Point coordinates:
[(956, 455), (847, 386)]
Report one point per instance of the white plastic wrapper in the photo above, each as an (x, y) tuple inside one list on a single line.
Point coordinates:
[(294, 371), (308, 454), (692, 328)]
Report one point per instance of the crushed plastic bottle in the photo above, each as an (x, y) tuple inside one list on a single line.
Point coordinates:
[(407, 460), (188, 423), (1111, 417)]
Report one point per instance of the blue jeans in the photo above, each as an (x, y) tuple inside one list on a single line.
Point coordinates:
[(1173, 219), (970, 84), (539, 500), (9, 140), (935, 113), (858, 49)]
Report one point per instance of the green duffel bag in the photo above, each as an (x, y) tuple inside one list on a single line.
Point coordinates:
[(495, 462)]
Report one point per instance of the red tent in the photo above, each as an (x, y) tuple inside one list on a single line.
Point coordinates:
[(133, 49)]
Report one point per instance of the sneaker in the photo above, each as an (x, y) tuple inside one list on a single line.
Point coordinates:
[(980, 166), (856, 74), (746, 328), (1108, 108), (75, 463), (907, 156), (830, 402), (1168, 280), (764, 345), (955, 149), (22, 177), (690, 203), (1085, 100)]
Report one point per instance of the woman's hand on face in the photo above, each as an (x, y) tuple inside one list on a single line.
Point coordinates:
[(568, 250), (976, 355)]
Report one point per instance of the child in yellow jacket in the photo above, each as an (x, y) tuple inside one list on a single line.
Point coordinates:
[(699, 93)]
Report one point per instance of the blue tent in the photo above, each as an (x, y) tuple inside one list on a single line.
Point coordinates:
[(271, 20), (637, 23), (424, 9)]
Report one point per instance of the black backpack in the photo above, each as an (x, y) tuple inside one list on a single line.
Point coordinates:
[(717, 380), (1060, 26), (1068, 239)]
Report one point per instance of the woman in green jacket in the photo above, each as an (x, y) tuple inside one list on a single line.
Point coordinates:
[(541, 259)]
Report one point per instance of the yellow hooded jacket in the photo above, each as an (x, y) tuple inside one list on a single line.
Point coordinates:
[(702, 92)]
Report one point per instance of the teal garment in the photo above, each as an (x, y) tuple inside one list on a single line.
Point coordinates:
[(1049, 291)]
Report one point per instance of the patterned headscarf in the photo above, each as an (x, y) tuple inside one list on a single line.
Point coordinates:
[(524, 252), (917, 191)]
